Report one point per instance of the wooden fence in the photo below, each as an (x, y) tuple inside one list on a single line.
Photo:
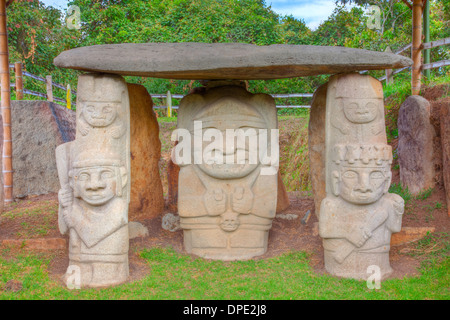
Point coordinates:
[(21, 91)]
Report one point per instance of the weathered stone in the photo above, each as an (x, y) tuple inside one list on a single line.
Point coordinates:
[(358, 215), (224, 60), (226, 206), (147, 199), (171, 222), (94, 173), (136, 230), (39, 127), (316, 145), (410, 234), (173, 171), (415, 145), (282, 196), (172, 176), (445, 142)]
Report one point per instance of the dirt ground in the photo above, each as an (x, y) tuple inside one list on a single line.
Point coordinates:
[(286, 234)]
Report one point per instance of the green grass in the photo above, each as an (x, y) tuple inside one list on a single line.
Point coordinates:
[(176, 276), (424, 194), (167, 119), (403, 192)]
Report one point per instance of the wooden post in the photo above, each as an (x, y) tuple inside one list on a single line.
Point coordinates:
[(389, 74), (49, 89), (426, 32), (69, 97), (169, 104), (7, 185), (19, 80), (416, 47)]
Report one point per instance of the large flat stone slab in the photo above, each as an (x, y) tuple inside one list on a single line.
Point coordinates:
[(224, 60)]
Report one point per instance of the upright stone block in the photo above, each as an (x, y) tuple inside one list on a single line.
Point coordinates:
[(94, 173), (147, 199), (358, 214), (316, 145), (226, 207), (415, 145), (445, 141)]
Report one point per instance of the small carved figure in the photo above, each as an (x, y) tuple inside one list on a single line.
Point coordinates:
[(100, 106), (359, 108), (357, 220)]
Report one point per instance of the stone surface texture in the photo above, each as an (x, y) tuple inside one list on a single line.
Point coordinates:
[(358, 215), (282, 196), (39, 127), (316, 145), (415, 145), (445, 142), (224, 60), (94, 173), (226, 209), (147, 199)]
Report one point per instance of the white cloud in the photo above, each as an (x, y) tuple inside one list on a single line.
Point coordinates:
[(313, 12)]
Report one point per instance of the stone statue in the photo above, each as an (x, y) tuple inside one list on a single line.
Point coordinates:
[(356, 222), (94, 175), (358, 215), (226, 207)]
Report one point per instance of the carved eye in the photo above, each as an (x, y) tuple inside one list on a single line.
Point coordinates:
[(90, 108), (107, 174), (350, 175), (107, 109), (83, 176), (376, 175), (353, 105), (371, 105)]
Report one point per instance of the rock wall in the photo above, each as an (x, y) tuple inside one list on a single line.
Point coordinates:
[(38, 127)]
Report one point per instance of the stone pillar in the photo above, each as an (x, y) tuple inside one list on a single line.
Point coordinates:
[(147, 199), (316, 145), (227, 194), (94, 173), (415, 145), (357, 215), (445, 141)]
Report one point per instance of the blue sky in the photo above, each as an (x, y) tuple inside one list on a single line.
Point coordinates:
[(313, 12)]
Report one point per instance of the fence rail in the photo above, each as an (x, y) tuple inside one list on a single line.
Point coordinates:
[(50, 85)]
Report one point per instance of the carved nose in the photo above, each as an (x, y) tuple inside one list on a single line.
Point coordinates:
[(95, 183), (364, 184)]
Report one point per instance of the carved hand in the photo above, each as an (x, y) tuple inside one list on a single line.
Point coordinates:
[(215, 202), (65, 197), (117, 131), (83, 127), (242, 200), (359, 238)]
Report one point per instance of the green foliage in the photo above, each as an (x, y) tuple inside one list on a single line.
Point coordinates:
[(424, 194), (402, 192), (37, 34)]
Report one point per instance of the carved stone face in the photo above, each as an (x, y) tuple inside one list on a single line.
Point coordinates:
[(96, 185), (100, 114), (361, 110), (363, 185), (232, 168)]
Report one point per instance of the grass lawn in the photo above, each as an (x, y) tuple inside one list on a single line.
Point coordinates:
[(176, 276)]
